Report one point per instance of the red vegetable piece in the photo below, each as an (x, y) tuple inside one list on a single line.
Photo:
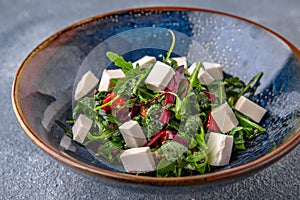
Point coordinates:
[(107, 99), (211, 96), (186, 81), (170, 99), (161, 137), (123, 114), (116, 104), (211, 124), (181, 140), (116, 151)]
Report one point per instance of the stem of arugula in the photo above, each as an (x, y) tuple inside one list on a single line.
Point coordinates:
[(108, 103), (255, 78)]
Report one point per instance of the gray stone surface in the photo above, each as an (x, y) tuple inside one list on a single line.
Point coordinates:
[(26, 172)]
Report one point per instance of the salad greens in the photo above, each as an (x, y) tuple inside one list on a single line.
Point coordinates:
[(175, 121)]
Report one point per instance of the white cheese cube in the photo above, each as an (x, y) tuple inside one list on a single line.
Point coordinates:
[(107, 75), (224, 117), (250, 109), (204, 77), (138, 160), (214, 69), (133, 134), (81, 128), (85, 85), (144, 61), (160, 76), (192, 68), (66, 143), (181, 61), (219, 148)]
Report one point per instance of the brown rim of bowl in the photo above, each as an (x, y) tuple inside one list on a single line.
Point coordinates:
[(220, 176)]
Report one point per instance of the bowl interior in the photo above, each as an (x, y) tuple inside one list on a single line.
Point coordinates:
[(45, 82)]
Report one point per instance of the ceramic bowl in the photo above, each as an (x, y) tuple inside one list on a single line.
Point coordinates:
[(43, 86)]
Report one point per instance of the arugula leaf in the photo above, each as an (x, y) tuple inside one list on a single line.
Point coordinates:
[(107, 151), (172, 63), (151, 122), (194, 77), (132, 82), (244, 121), (192, 125), (85, 106), (172, 150), (218, 89), (165, 168), (238, 135), (256, 79), (233, 86), (66, 129), (189, 106), (119, 61), (203, 101), (200, 138), (197, 161)]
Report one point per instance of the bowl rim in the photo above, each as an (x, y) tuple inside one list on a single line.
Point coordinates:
[(220, 176)]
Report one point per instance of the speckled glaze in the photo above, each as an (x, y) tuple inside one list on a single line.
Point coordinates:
[(45, 82)]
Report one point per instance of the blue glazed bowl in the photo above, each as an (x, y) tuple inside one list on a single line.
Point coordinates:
[(43, 86)]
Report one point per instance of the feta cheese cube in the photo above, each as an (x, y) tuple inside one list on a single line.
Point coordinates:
[(107, 75), (214, 69), (66, 143), (250, 109), (85, 85), (138, 160), (144, 61), (81, 128), (192, 68), (133, 134), (204, 77), (224, 117), (219, 148), (181, 61), (160, 76)]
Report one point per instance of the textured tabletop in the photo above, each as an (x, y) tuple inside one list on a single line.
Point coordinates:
[(28, 173)]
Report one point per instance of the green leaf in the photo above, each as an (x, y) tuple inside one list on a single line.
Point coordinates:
[(151, 121), (187, 107), (238, 135), (218, 89), (172, 150), (133, 82), (199, 161), (248, 86), (200, 138), (233, 86), (165, 168), (191, 126), (85, 106), (119, 61), (107, 151), (194, 77), (244, 121), (66, 129)]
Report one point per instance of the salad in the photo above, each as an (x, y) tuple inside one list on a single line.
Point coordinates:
[(164, 118)]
